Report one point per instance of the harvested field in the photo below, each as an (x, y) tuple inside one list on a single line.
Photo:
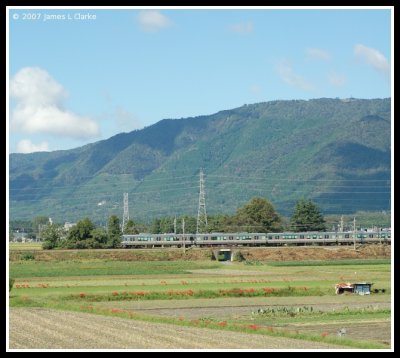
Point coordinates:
[(240, 312), (235, 307), (40, 328), (377, 330)]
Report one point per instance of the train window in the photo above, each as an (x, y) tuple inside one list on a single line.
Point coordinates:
[(371, 236), (346, 236), (277, 237), (326, 236), (301, 236)]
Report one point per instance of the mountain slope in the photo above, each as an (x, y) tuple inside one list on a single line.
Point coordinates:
[(336, 152)]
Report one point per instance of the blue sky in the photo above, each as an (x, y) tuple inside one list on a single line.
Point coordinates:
[(74, 80)]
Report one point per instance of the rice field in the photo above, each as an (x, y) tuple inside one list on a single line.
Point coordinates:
[(185, 296)]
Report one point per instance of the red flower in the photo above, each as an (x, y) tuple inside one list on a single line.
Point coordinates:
[(253, 326)]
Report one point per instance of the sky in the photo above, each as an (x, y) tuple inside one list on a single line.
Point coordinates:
[(80, 75)]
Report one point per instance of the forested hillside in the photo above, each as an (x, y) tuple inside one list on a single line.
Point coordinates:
[(335, 152)]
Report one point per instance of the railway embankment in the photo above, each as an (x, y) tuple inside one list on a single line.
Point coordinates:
[(371, 251)]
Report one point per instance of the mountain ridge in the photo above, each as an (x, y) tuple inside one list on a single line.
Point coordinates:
[(272, 144)]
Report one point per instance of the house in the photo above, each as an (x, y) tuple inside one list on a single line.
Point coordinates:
[(68, 225)]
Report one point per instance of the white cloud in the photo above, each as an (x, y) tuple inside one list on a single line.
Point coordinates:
[(40, 109), (317, 54), (287, 74), (26, 146), (152, 21), (242, 28), (374, 58), (336, 79)]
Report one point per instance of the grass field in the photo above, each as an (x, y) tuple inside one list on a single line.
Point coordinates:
[(25, 246), (299, 299)]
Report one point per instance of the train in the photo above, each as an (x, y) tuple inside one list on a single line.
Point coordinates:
[(255, 239)]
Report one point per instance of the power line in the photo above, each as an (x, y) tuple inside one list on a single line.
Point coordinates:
[(210, 177)]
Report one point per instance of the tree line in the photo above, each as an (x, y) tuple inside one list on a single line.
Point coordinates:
[(258, 215)]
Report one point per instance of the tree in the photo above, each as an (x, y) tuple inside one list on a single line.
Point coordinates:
[(131, 227), (10, 283), (10, 234), (51, 235), (190, 224), (167, 225), (81, 231), (114, 232), (99, 238), (218, 223), (258, 215), (37, 224), (307, 217), (155, 226)]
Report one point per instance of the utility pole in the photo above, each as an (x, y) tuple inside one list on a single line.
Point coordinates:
[(183, 234), (201, 213), (354, 232), (341, 223), (175, 225), (125, 217)]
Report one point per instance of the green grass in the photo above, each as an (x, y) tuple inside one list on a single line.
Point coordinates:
[(27, 269), (331, 262)]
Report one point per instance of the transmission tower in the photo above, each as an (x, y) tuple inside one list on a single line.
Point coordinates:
[(201, 213), (125, 218)]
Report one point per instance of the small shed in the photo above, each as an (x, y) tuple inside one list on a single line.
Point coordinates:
[(362, 288), (343, 287)]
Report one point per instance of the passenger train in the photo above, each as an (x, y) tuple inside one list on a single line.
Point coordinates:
[(255, 239)]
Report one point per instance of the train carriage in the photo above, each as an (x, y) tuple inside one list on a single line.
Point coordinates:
[(146, 240)]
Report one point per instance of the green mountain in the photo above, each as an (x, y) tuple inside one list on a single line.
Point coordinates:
[(333, 151)]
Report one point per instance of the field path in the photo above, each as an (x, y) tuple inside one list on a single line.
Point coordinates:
[(41, 328)]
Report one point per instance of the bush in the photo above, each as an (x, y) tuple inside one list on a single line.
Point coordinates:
[(11, 282), (28, 256), (210, 255), (82, 244), (239, 256), (47, 245)]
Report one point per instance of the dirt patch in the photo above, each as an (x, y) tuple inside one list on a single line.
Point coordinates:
[(317, 253), (50, 329)]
